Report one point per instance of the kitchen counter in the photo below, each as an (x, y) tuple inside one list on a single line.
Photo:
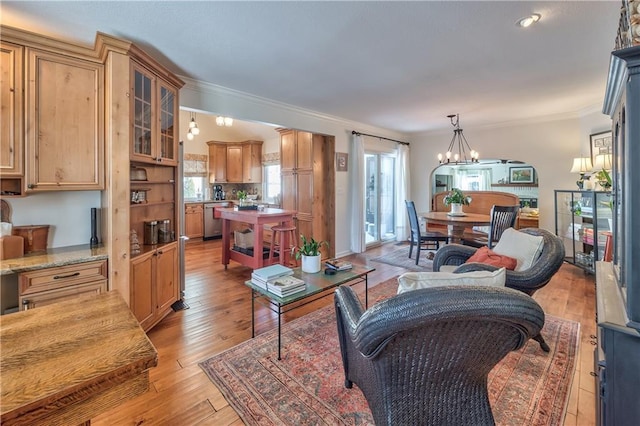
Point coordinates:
[(55, 257), (65, 363)]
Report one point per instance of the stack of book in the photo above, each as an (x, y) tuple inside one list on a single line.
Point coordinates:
[(260, 277), (338, 265), (285, 286)]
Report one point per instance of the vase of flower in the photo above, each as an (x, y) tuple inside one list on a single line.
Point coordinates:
[(456, 199)]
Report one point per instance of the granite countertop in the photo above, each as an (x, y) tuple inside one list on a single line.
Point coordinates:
[(52, 258)]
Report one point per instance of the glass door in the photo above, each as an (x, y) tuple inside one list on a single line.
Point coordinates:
[(380, 215)]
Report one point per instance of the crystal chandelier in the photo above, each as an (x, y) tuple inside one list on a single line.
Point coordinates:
[(458, 143)]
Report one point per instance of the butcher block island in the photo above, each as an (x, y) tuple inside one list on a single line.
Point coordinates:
[(65, 363), (257, 219)]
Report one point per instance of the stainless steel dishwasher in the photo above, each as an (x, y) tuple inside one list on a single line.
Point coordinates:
[(212, 225)]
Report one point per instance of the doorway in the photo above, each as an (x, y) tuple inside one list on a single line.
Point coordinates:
[(380, 219)]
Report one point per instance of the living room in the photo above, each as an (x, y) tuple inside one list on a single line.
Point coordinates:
[(547, 141)]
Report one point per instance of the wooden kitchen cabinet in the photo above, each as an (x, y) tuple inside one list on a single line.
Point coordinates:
[(11, 118), (154, 284), (235, 162), (65, 122), (155, 106), (51, 285), (308, 180), (194, 220)]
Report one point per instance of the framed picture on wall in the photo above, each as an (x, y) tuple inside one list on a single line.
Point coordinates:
[(600, 144), (521, 174)]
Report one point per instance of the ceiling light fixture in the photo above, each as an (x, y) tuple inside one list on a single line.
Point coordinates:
[(224, 121), (460, 142), (527, 21)]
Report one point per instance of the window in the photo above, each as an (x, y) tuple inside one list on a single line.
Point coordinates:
[(271, 183), (194, 187)]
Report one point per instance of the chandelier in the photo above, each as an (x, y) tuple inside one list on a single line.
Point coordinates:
[(193, 127), (224, 121), (458, 143)]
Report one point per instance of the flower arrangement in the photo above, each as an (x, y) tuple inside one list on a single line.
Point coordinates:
[(604, 179), (456, 196), (309, 247)]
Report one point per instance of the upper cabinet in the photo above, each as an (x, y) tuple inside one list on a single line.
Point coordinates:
[(65, 123), (155, 113), (11, 118), (235, 162), (52, 115)]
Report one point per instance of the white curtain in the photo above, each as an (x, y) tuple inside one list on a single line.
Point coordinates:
[(472, 179), (358, 242), (402, 192)]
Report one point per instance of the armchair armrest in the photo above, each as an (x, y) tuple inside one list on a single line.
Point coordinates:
[(452, 254)]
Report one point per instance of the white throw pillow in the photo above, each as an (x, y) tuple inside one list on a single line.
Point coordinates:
[(523, 247), (415, 280)]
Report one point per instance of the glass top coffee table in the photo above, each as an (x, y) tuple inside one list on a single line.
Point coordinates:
[(316, 288)]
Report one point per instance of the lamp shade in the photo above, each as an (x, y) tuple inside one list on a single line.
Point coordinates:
[(603, 162), (581, 165)]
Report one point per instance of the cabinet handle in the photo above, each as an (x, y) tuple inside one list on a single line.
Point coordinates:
[(31, 186), (25, 305), (593, 374), (159, 252), (60, 277)]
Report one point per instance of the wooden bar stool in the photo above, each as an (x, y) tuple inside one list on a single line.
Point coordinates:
[(278, 232)]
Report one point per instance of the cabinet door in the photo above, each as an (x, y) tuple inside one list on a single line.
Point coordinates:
[(194, 221), (305, 193), (168, 124), (65, 118), (11, 130), (289, 191), (166, 277), (234, 164), (143, 98), (252, 163), (218, 162), (287, 151), (304, 151), (142, 293)]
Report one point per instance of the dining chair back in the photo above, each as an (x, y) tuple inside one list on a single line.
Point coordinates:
[(502, 217), (422, 240)]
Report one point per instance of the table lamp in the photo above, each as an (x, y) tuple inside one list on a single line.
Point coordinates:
[(581, 165)]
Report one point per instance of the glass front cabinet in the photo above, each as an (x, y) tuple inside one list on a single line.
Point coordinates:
[(584, 222)]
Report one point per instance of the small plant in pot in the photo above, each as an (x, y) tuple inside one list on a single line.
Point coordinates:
[(309, 252), (456, 199)]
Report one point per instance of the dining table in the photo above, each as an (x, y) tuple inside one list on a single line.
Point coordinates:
[(456, 223)]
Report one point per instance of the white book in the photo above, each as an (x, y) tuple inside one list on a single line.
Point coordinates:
[(259, 283), (288, 292), (286, 282), (272, 271)]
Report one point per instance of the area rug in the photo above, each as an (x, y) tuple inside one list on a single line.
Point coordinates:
[(400, 257), (306, 387)]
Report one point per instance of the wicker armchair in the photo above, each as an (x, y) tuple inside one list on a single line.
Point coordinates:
[(423, 357), (527, 281)]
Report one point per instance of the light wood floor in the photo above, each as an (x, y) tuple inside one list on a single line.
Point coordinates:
[(219, 317)]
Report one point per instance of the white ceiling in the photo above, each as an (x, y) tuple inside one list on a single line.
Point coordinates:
[(403, 66)]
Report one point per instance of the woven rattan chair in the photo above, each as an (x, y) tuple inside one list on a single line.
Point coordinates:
[(422, 240), (527, 281), (423, 357)]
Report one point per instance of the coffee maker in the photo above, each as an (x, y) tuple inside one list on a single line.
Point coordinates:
[(218, 193)]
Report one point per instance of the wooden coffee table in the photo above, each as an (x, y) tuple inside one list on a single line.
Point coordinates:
[(317, 286)]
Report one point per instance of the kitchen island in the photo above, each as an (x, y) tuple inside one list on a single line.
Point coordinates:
[(256, 218)]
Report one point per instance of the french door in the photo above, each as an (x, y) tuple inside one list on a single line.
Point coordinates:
[(380, 215)]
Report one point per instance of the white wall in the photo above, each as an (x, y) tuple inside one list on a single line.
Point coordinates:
[(549, 146)]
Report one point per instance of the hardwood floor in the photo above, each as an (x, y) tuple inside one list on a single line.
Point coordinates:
[(219, 317)]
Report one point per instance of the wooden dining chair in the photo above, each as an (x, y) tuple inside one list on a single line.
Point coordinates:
[(422, 240), (502, 217)]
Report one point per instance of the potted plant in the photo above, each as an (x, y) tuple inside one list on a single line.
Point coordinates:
[(309, 252), (604, 179), (456, 199), (242, 196)]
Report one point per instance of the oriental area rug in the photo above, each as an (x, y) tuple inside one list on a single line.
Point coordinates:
[(306, 387), (400, 257)]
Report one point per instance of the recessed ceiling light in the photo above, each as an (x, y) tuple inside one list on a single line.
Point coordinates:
[(528, 20)]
